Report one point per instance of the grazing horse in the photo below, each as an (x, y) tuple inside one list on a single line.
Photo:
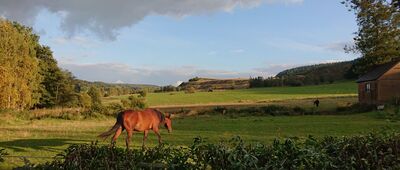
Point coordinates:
[(140, 121)]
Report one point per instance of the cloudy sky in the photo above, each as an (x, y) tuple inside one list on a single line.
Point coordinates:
[(165, 41)]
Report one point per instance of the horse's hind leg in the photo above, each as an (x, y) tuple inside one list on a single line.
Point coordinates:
[(144, 137), (117, 133), (128, 138)]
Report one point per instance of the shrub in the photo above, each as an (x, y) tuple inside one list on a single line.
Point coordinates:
[(85, 100), (373, 151), (134, 102), (194, 79), (143, 93), (273, 110), (114, 108), (356, 108), (2, 154), (299, 110), (190, 90)]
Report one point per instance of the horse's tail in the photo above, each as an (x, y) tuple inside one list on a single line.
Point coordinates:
[(116, 126)]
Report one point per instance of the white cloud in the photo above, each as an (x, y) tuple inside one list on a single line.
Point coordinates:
[(238, 51), (273, 69), (106, 17), (178, 83), (337, 46), (119, 82), (76, 40)]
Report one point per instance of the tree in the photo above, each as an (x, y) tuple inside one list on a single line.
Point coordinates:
[(95, 94), (19, 70), (377, 38), (85, 100), (65, 90), (52, 78)]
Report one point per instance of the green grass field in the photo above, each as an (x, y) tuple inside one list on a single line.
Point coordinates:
[(46, 138), (246, 95)]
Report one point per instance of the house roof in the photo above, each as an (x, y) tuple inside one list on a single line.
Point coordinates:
[(377, 72)]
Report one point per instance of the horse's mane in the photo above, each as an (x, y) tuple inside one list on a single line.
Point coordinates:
[(161, 116)]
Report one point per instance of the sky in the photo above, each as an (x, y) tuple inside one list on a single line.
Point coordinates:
[(164, 42)]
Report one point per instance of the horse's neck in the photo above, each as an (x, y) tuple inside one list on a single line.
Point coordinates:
[(161, 116)]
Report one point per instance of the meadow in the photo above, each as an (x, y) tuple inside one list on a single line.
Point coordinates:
[(253, 95), (40, 139)]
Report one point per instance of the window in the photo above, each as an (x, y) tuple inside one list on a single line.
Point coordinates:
[(368, 87)]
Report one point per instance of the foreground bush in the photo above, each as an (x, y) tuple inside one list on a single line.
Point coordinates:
[(373, 151), (2, 154)]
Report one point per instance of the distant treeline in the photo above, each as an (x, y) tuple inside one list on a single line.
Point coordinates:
[(168, 88), (31, 78), (308, 75), (111, 89)]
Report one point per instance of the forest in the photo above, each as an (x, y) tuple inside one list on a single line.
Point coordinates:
[(325, 73), (31, 77)]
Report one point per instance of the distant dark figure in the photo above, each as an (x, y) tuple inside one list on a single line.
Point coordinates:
[(316, 102)]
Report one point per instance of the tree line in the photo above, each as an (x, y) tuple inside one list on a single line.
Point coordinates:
[(31, 78), (29, 75)]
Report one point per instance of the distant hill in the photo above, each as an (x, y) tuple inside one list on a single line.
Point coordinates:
[(334, 71), (309, 75), (206, 84)]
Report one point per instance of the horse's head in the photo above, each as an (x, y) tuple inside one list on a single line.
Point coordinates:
[(168, 123)]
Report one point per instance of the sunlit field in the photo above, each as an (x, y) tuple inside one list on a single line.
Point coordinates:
[(253, 95), (46, 138)]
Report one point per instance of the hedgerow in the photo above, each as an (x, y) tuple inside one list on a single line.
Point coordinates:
[(2, 154), (372, 151)]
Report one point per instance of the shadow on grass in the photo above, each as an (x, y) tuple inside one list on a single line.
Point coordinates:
[(52, 145)]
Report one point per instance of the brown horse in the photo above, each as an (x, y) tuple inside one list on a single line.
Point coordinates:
[(140, 121)]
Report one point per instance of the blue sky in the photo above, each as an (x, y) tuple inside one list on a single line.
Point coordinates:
[(164, 42)]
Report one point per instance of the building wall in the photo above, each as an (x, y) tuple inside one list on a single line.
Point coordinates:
[(367, 97), (389, 85), (388, 90)]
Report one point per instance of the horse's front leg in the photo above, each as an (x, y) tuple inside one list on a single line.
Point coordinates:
[(158, 135), (144, 137)]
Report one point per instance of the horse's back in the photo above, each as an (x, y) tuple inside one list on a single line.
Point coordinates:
[(141, 119)]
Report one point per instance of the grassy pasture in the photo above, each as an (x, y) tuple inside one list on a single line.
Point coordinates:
[(254, 95), (47, 137)]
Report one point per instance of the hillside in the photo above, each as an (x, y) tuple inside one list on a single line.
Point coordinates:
[(333, 71), (205, 84), (309, 75)]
